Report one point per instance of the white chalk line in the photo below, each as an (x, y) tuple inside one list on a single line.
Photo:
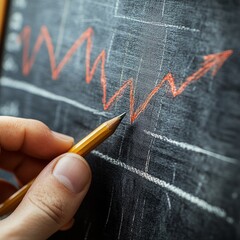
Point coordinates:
[(110, 46), (163, 7), (87, 232), (152, 23), (20, 85), (219, 212), (193, 148), (62, 28), (110, 207), (116, 7), (158, 24)]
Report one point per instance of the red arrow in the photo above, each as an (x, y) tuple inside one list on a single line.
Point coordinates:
[(212, 62)]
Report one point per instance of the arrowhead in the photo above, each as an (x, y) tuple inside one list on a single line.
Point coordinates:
[(216, 60)]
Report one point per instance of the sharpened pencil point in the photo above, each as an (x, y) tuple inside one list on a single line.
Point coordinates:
[(122, 116)]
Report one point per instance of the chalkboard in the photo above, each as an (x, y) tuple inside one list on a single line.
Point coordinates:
[(171, 170)]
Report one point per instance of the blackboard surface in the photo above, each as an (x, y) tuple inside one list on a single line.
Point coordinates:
[(171, 170)]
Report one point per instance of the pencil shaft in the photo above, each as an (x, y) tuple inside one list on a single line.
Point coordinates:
[(92, 140), (82, 148)]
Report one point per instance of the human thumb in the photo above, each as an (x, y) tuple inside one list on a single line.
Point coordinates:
[(52, 200)]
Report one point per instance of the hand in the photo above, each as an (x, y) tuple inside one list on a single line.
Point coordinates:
[(50, 204)]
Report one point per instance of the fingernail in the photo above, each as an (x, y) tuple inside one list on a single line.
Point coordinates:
[(62, 136), (72, 172)]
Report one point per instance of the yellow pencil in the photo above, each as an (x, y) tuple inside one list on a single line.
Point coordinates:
[(82, 148), (3, 7)]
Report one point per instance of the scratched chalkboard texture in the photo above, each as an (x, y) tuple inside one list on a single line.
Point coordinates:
[(172, 169)]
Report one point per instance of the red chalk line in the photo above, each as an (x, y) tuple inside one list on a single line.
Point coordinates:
[(212, 62)]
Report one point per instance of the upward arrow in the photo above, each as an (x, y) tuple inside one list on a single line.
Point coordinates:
[(215, 61), (212, 62)]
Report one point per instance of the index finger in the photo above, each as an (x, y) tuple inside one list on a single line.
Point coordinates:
[(32, 137)]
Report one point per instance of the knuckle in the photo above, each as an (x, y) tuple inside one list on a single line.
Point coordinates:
[(40, 125), (41, 128), (49, 204)]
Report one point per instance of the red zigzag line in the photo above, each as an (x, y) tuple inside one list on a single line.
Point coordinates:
[(212, 61)]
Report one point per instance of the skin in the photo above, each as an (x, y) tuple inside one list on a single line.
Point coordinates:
[(30, 149)]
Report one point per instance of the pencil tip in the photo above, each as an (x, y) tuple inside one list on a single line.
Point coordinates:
[(122, 116)]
